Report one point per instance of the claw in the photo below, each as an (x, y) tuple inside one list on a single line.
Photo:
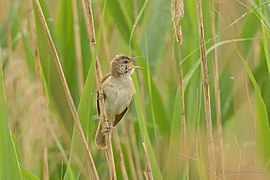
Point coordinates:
[(101, 96), (106, 129)]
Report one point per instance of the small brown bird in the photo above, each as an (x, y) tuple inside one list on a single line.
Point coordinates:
[(118, 94)]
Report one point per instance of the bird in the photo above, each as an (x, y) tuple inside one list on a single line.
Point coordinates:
[(118, 93)]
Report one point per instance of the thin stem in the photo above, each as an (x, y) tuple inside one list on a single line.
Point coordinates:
[(132, 136), (103, 116), (177, 15), (120, 154), (72, 107), (148, 172), (129, 152), (211, 152), (217, 90)]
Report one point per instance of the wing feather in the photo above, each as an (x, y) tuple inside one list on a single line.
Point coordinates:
[(118, 117), (102, 80)]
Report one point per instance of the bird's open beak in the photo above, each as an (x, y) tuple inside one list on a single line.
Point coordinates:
[(134, 58), (136, 67)]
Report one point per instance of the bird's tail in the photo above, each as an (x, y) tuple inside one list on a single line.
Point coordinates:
[(100, 138)]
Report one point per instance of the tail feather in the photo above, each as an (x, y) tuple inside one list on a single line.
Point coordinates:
[(100, 138)]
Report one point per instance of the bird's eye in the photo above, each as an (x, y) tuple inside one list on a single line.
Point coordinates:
[(126, 61)]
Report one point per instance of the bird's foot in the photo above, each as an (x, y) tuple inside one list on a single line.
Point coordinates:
[(101, 96), (106, 129)]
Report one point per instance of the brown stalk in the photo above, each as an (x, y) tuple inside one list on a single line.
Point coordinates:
[(45, 163), (129, 152), (148, 172), (211, 151), (135, 149), (177, 15), (72, 107), (120, 154), (217, 90), (240, 156), (103, 116)]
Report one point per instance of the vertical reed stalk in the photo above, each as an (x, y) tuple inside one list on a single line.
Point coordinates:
[(177, 14), (217, 90), (120, 154), (135, 149), (240, 156), (148, 172), (89, 158), (129, 152), (103, 116), (211, 151)]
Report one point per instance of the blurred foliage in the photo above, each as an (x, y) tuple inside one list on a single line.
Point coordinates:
[(139, 28)]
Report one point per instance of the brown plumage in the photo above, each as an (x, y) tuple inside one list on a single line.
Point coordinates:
[(118, 92)]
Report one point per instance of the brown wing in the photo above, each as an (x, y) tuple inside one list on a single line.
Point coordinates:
[(102, 80), (118, 117)]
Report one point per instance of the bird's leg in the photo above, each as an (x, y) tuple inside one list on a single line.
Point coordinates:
[(107, 128)]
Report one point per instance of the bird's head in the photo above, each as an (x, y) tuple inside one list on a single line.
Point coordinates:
[(121, 65)]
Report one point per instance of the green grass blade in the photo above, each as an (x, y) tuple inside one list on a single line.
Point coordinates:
[(121, 19), (28, 175), (28, 54), (197, 63), (65, 35), (144, 133), (84, 110), (262, 124), (264, 39), (135, 24), (9, 163), (156, 25), (86, 54), (175, 134), (52, 77), (13, 21)]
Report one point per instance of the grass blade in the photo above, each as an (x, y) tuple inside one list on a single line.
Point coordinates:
[(264, 39), (262, 124), (72, 108), (51, 75), (144, 132), (65, 34), (28, 175), (9, 163)]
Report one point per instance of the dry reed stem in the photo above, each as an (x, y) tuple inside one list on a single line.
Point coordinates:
[(240, 156), (217, 90), (45, 163), (148, 172), (120, 154), (211, 151), (89, 158), (188, 156), (103, 116), (78, 46), (129, 151), (177, 15), (135, 149)]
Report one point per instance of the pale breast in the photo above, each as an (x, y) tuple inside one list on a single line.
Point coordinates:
[(118, 94)]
